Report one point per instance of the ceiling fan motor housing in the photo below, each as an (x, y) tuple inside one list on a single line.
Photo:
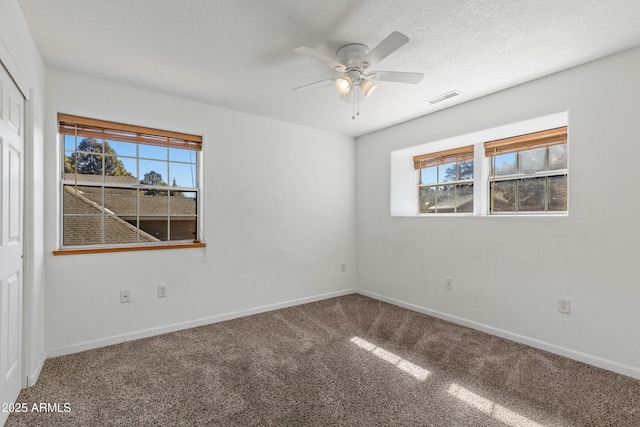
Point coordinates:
[(352, 55)]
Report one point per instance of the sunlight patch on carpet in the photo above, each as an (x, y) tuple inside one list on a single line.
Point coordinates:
[(489, 407), (402, 364)]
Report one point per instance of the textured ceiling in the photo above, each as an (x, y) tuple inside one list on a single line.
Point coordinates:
[(239, 53)]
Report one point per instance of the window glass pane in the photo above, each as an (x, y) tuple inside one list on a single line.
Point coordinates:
[(447, 172), (503, 196), (183, 203), (120, 169), (153, 152), (69, 165), (153, 172), (154, 228), (180, 155), (69, 143), (465, 170), (153, 202), (531, 194), (122, 148), (557, 193), (90, 145), (464, 198), (117, 230), (182, 175), (183, 228), (82, 230), (427, 199), (558, 157), (533, 160), (429, 175), (81, 200), (121, 201), (446, 201), (505, 164), (131, 166), (85, 164), (87, 161)]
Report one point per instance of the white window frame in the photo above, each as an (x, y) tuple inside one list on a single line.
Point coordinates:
[(454, 183), (521, 176), (556, 135), (76, 181)]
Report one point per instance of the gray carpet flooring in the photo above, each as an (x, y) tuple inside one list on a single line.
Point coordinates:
[(347, 361)]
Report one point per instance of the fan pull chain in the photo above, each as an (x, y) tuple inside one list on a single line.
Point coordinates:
[(355, 100)]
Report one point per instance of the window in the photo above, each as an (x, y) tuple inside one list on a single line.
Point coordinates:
[(446, 181), (528, 173), (515, 169), (126, 185)]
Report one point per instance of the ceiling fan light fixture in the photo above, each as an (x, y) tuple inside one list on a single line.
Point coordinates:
[(343, 84), (354, 84), (367, 87)]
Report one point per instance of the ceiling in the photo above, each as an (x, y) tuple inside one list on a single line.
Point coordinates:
[(239, 54)]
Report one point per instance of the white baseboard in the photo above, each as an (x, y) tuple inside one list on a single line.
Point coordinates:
[(130, 336), (610, 365), (33, 377)]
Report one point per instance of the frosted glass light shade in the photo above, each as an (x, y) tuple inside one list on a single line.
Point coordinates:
[(343, 85), (367, 87)]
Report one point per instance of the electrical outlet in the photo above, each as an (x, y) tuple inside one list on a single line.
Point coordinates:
[(343, 267), (564, 306), (162, 291), (448, 282), (124, 296)]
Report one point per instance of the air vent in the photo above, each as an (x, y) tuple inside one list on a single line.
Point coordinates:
[(444, 96)]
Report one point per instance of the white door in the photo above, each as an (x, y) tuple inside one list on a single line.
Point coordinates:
[(11, 205)]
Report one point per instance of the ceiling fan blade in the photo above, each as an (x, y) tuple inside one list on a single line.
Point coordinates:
[(314, 83), (307, 51), (395, 76), (386, 47)]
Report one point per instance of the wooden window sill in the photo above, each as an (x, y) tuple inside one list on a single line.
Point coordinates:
[(98, 250)]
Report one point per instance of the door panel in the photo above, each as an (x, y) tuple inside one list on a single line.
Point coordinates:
[(14, 208), (12, 321), (11, 239)]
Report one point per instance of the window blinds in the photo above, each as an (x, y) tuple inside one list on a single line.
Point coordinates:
[(443, 157), (100, 129), (529, 141)]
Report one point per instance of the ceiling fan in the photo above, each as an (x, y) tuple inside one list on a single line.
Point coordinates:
[(355, 63)]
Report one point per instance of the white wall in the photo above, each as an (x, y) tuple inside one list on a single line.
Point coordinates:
[(279, 220), (18, 48), (508, 272)]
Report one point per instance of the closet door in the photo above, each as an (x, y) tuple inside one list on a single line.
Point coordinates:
[(11, 238)]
